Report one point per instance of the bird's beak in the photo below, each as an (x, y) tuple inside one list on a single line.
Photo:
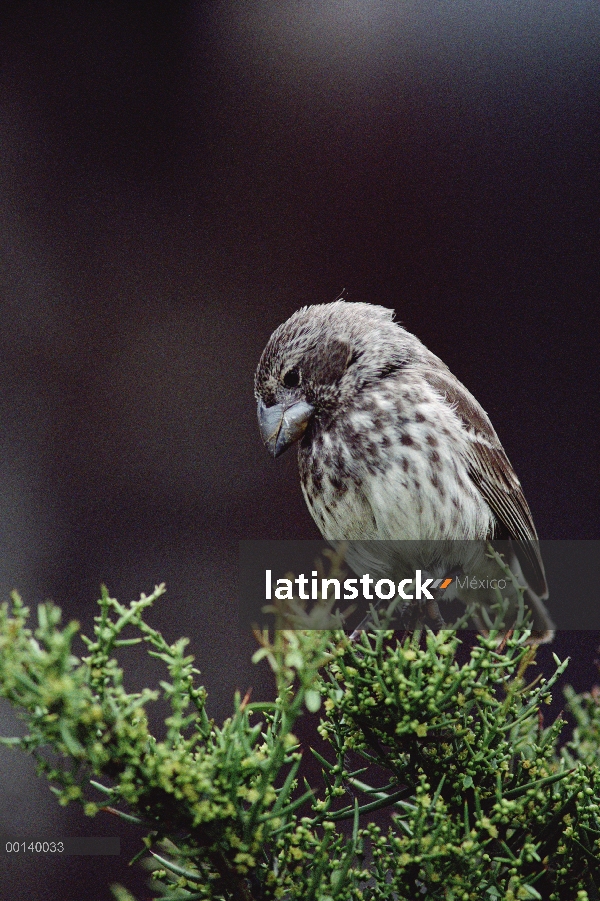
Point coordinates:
[(281, 426)]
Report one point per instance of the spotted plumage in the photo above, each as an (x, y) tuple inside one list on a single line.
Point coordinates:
[(390, 444)]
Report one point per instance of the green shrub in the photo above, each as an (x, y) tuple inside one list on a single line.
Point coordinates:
[(476, 798)]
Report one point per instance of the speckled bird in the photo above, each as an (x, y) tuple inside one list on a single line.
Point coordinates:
[(391, 446)]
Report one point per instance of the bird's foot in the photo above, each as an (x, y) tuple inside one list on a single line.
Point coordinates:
[(433, 612)]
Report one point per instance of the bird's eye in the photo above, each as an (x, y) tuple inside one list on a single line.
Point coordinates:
[(291, 379)]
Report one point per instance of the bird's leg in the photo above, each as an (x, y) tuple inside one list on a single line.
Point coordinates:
[(413, 613), (433, 611), (410, 615), (428, 609)]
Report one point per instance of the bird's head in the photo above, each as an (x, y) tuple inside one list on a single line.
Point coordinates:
[(317, 362)]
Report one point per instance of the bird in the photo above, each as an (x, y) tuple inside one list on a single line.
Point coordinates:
[(395, 453)]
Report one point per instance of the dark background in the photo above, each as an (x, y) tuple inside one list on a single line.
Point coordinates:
[(175, 180)]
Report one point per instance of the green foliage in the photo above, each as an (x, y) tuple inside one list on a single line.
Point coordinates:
[(439, 779)]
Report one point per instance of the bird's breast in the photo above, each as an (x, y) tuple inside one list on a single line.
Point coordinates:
[(389, 477)]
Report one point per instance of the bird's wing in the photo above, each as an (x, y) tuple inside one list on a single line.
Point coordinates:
[(490, 470)]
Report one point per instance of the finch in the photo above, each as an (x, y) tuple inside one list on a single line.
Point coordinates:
[(392, 448)]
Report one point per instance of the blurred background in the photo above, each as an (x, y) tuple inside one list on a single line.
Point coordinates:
[(175, 180)]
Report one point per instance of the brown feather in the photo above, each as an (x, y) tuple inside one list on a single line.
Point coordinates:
[(491, 472)]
